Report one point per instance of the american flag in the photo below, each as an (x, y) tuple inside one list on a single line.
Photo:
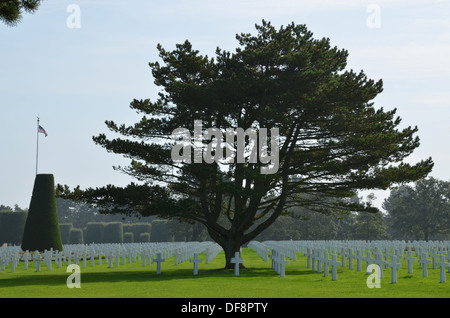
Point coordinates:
[(42, 130)]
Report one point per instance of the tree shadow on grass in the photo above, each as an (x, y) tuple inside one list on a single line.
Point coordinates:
[(117, 276)]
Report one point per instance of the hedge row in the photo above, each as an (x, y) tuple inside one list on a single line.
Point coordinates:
[(107, 232), (12, 225)]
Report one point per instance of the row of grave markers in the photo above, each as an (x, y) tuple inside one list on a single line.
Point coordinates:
[(323, 255), (111, 254)]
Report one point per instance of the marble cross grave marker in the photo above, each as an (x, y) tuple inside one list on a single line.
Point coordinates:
[(410, 259), (195, 260), (442, 265), (159, 259), (424, 261), (334, 263), (236, 260), (394, 265)]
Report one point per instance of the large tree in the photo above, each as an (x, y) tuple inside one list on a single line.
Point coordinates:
[(332, 141), (11, 10), (420, 211)]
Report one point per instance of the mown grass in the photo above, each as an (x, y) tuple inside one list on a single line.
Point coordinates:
[(257, 280)]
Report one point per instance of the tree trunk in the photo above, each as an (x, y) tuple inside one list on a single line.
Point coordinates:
[(230, 244), (230, 248)]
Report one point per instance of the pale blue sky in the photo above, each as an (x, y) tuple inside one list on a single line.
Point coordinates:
[(76, 78)]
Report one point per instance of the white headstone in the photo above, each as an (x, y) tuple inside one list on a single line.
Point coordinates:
[(26, 258), (442, 265), (379, 261), (48, 255), (368, 259), (92, 255), (424, 261), (117, 258), (326, 262), (195, 260), (320, 260), (159, 259), (110, 259), (394, 265), (37, 260), (236, 260), (279, 262), (314, 259), (350, 256), (343, 253), (359, 257), (410, 259), (434, 255), (308, 255), (14, 261), (334, 264), (100, 257)]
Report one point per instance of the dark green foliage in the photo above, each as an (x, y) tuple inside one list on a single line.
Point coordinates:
[(41, 227), (144, 237), (370, 226), (420, 211), (11, 227), (137, 228), (159, 231), (94, 232), (11, 10), (187, 231), (65, 229), (76, 236), (113, 232), (128, 237)]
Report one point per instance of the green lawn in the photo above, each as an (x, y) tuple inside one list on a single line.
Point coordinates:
[(258, 280)]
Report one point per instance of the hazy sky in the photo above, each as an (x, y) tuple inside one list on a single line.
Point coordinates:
[(76, 64)]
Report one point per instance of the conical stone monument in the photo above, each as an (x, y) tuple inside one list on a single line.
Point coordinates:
[(41, 230)]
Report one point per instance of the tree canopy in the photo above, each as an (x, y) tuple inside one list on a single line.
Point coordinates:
[(331, 140), (420, 211), (11, 10)]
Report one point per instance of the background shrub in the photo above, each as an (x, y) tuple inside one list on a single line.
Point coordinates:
[(94, 232), (113, 232), (76, 236), (65, 229), (11, 227), (144, 237), (128, 237), (159, 231)]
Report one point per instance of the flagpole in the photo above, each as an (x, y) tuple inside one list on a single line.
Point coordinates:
[(37, 145)]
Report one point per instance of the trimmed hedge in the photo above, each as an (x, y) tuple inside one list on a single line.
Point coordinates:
[(109, 232), (128, 237), (137, 229), (42, 226), (65, 229), (159, 231), (113, 232), (94, 232), (144, 237), (76, 236), (12, 225)]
